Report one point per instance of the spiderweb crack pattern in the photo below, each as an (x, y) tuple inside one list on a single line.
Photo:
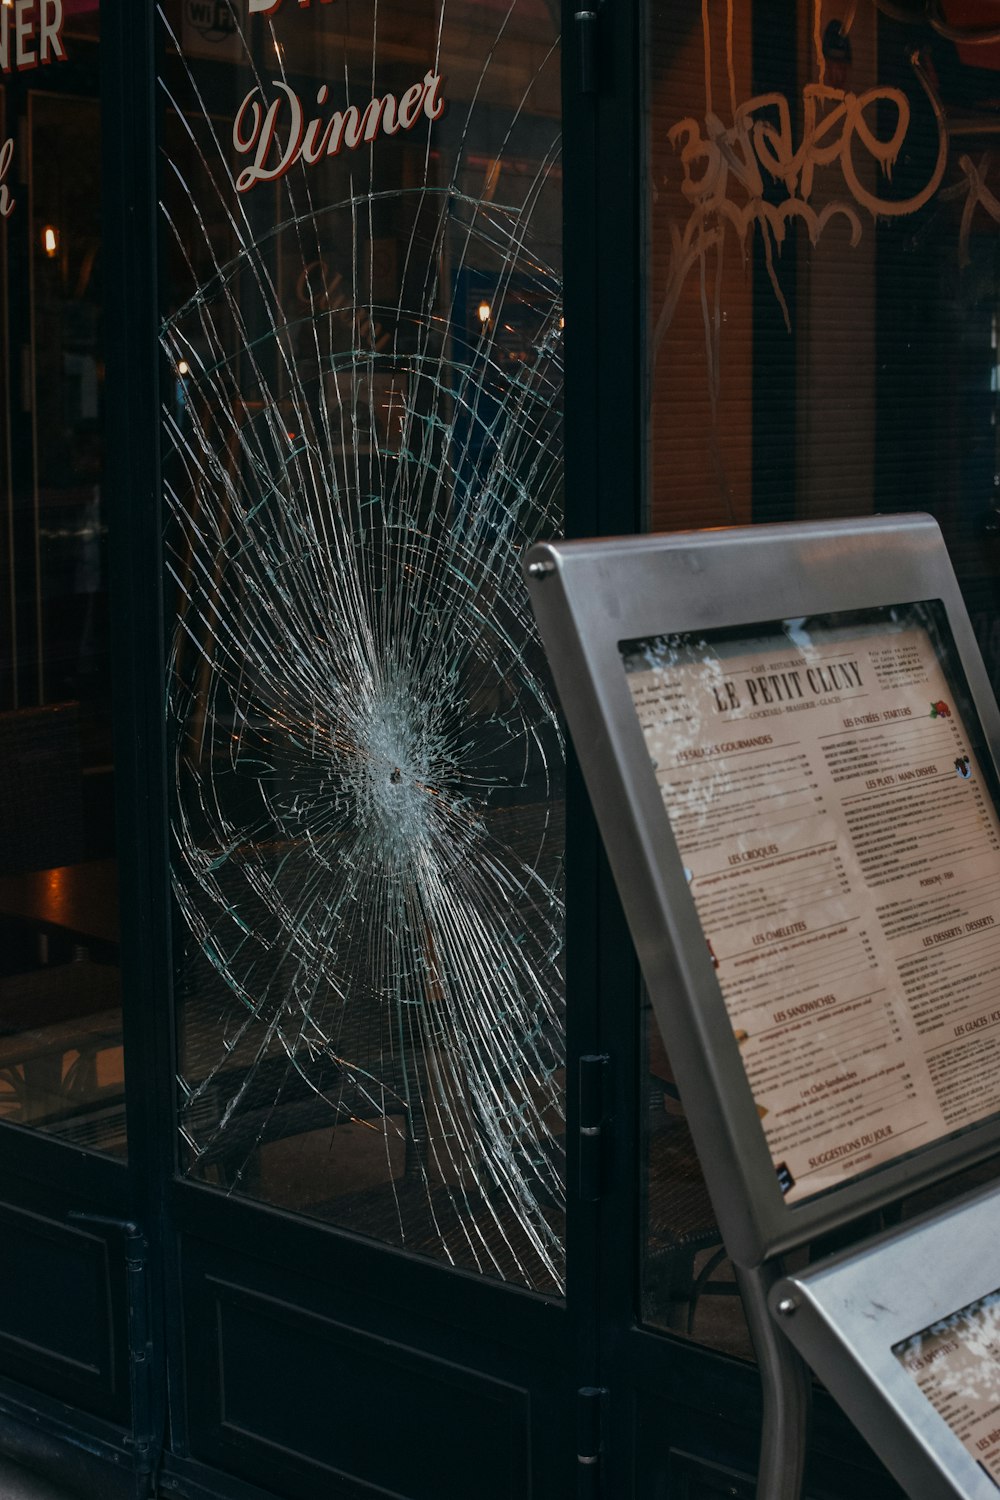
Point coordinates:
[(367, 762)]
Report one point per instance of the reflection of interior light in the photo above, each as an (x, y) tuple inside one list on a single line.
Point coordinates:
[(50, 240), (485, 312), (492, 178), (183, 368), (562, 322)]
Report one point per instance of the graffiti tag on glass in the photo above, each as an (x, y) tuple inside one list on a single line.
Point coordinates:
[(724, 168), (833, 120)]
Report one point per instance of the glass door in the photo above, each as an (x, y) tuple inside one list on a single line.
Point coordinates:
[(67, 1164), (820, 313), (348, 1161), (61, 1063), (363, 336)]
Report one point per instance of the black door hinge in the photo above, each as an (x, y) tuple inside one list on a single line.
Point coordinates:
[(589, 1440), (145, 1441), (593, 1096), (586, 42)]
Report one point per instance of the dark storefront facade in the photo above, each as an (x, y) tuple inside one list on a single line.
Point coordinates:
[(340, 1154)]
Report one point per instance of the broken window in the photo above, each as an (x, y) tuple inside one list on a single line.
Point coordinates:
[(363, 334)]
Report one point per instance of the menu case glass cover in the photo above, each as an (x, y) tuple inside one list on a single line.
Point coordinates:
[(833, 803), (956, 1363)]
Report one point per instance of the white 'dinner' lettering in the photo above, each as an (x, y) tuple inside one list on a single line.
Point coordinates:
[(278, 136)]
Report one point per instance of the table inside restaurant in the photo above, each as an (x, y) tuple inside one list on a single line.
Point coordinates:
[(60, 1021), (79, 901)]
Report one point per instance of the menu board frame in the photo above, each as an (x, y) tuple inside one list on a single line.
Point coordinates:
[(848, 1314), (591, 596)]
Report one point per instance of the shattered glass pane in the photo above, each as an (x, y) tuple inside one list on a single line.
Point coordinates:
[(363, 424)]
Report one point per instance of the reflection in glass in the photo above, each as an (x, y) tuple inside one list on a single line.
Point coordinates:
[(954, 1362), (834, 804), (687, 1281), (364, 420), (61, 1066), (802, 765), (822, 296)]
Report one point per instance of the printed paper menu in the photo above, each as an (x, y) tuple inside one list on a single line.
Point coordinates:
[(956, 1364), (843, 853)]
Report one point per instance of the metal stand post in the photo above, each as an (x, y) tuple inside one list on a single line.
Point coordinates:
[(787, 1391)]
